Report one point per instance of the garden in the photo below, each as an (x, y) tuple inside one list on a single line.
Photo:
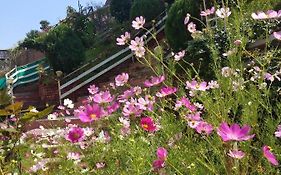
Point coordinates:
[(213, 105)]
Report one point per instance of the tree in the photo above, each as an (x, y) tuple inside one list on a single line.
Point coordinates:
[(64, 49), (120, 9), (45, 25), (175, 30), (30, 40), (149, 9)]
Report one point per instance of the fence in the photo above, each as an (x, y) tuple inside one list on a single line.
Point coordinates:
[(24, 74), (82, 78)]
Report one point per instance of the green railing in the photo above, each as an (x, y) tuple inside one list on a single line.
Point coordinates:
[(24, 74)]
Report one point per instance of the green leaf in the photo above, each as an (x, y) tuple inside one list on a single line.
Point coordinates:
[(4, 113), (15, 108), (12, 130), (29, 116)]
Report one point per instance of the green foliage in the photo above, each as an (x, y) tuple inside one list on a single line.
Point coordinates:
[(64, 49), (5, 99), (120, 9), (175, 30), (149, 9), (30, 40), (45, 25), (82, 26)]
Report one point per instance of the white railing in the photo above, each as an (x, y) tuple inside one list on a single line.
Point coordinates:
[(89, 71)]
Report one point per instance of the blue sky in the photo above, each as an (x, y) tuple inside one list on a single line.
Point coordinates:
[(17, 17)]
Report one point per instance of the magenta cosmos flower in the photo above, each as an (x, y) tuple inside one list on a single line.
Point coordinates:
[(90, 113), (234, 132), (148, 124), (204, 128), (269, 155), (103, 97), (165, 91), (153, 81), (236, 154), (158, 164), (161, 157), (122, 79), (75, 134), (162, 153)]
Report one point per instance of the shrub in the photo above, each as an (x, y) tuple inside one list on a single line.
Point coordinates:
[(120, 9), (149, 9), (175, 30), (64, 49)]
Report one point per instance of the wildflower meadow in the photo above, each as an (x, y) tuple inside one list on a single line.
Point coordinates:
[(217, 114)]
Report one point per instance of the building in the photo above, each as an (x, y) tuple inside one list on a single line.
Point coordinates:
[(4, 61)]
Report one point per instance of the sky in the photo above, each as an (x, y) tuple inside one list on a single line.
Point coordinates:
[(17, 17)]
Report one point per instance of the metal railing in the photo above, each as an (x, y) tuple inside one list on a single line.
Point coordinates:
[(25, 74), (99, 69)]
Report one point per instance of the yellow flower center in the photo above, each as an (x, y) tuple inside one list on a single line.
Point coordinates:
[(145, 126), (93, 116)]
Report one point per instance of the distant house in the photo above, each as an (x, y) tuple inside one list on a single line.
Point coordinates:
[(4, 61)]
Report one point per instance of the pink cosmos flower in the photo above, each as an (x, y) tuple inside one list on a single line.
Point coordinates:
[(93, 89), (162, 153), (266, 15), (194, 85), (148, 124), (193, 119), (126, 95), (237, 42), (191, 27), (277, 35), (268, 76), (234, 132), (178, 56), (123, 39), (138, 23), (103, 97), (278, 132), (90, 113), (236, 154), (269, 155), (186, 19), (165, 91), (146, 103), (74, 156), (204, 128), (153, 81), (75, 135), (100, 165), (122, 79), (137, 46), (208, 12), (213, 85), (223, 12), (185, 102), (131, 108)]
